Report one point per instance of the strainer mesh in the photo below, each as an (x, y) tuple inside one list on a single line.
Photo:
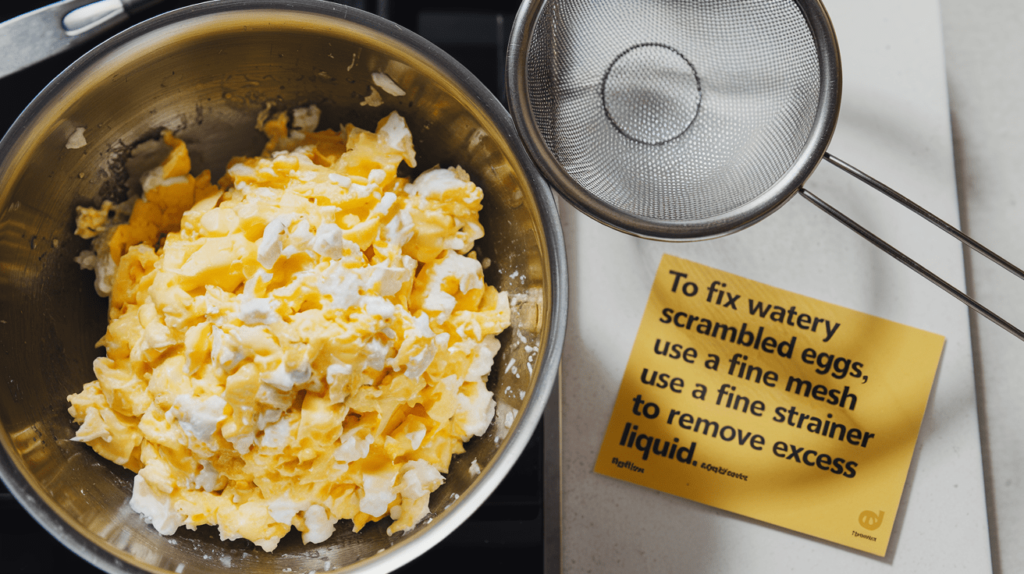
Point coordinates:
[(673, 110)]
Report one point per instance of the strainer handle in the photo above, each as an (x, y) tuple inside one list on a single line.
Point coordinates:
[(906, 260), (932, 218)]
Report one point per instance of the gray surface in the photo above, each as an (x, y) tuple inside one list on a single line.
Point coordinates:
[(983, 43)]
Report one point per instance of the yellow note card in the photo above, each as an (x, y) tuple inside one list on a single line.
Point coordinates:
[(772, 405)]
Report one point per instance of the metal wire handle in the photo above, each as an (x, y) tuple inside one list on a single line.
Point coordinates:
[(903, 258)]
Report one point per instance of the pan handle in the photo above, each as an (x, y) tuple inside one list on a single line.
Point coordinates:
[(903, 258), (35, 36)]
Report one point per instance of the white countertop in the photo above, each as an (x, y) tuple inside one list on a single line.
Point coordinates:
[(984, 43), (894, 124)]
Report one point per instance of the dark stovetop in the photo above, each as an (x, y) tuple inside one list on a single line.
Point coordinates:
[(511, 523)]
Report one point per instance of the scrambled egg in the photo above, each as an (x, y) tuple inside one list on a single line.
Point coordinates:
[(305, 341)]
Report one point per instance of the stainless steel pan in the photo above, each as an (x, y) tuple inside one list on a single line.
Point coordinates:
[(205, 72)]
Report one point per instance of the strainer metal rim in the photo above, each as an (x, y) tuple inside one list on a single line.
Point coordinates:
[(826, 116)]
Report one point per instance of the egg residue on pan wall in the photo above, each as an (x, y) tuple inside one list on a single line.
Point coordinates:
[(305, 341)]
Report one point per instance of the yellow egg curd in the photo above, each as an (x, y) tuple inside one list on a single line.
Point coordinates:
[(305, 341)]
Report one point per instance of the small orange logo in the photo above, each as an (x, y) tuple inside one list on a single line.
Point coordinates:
[(870, 520)]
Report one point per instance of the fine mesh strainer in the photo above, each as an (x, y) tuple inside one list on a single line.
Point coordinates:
[(687, 119)]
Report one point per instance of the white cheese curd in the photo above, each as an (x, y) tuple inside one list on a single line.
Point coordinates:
[(435, 182), (387, 280), (361, 191), (306, 119), (483, 359), (419, 478), (285, 379), (342, 285), (330, 241), (157, 337), (208, 477), (299, 239), (271, 245), (242, 443), (372, 99), (385, 83), (258, 312), (442, 340), (277, 435), (319, 526), (469, 275), (154, 178), (400, 229), (240, 170), (421, 326), (267, 544), (77, 138), (283, 509), (419, 363), (476, 411), (338, 370), (272, 397), (397, 135), (376, 353), (199, 417), (226, 350), (156, 507), (378, 492), (268, 417), (379, 307), (416, 437), (105, 271), (341, 180), (385, 203), (352, 447), (86, 260)]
